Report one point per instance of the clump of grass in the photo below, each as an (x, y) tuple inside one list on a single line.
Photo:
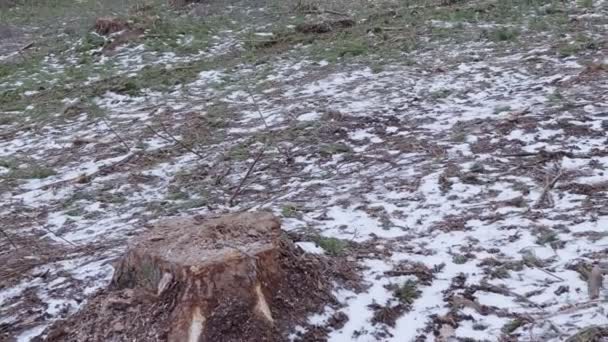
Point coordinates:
[(511, 326), (502, 109), (377, 68), (290, 210), (180, 34), (479, 327), (177, 195), (192, 203), (90, 41), (440, 94), (460, 259), (31, 172), (503, 34), (556, 97), (337, 148), (459, 136), (408, 292), (75, 212), (531, 260), (477, 167), (580, 44), (568, 49), (331, 245), (5, 70), (341, 47), (9, 163), (240, 152), (546, 236), (501, 272), (585, 3)]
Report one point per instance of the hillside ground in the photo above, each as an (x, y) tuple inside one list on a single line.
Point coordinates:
[(455, 150)]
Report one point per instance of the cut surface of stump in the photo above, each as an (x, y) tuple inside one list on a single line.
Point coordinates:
[(232, 278), (234, 258)]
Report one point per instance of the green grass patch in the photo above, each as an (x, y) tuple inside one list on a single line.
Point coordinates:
[(440, 94), (331, 245), (503, 34), (335, 148), (511, 326), (31, 172), (502, 109), (408, 292), (290, 210)]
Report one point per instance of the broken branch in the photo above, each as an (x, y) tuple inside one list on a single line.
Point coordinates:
[(545, 194), (172, 139), (249, 171), (105, 121)]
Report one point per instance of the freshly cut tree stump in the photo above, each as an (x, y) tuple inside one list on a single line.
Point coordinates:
[(229, 259), (231, 278)]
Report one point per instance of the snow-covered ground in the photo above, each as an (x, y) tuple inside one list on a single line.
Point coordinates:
[(476, 173)]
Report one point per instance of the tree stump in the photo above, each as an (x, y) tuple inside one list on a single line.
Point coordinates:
[(233, 259), (226, 279)]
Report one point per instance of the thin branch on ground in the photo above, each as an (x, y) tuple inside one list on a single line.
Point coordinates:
[(172, 139), (263, 118), (257, 106), (545, 194), (238, 189), (505, 291), (107, 123), (8, 238), (58, 236), (551, 274)]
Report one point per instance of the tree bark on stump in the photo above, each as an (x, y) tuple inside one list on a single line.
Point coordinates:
[(212, 267)]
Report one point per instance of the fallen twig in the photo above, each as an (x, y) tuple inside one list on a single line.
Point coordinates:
[(172, 138), (8, 238), (58, 236), (26, 46), (551, 274), (238, 189), (569, 309), (257, 106), (105, 121), (505, 291), (543, 197)]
